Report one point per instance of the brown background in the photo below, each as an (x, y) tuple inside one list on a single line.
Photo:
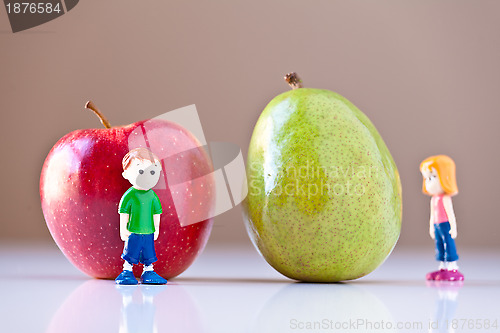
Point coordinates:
[(427, 73)]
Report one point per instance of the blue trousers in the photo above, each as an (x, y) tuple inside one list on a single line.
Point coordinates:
[(445, 245), (140, 248)]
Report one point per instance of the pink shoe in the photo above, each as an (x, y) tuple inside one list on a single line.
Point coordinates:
[(453, 275), (432, 275)]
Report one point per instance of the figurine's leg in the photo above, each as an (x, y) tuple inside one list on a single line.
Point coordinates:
[(149, 276), (451, 273), (439, 254), (126, 276), (129, 256), (132, 249), (451, 249), (148, 250), (450, 256), (440, 250), (127, 266)]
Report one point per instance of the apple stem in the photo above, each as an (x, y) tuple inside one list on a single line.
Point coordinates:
[(293, 80), (91, 106)]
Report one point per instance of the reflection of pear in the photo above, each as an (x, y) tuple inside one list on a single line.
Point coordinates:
[(99, 306), (324, 195), (298, 305)]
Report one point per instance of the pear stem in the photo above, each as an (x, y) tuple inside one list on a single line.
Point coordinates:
[(293, 80), (91, 106)]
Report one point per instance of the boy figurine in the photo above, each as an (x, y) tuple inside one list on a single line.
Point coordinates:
[(140, 211)]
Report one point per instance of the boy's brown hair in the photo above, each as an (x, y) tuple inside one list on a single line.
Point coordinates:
[(142, 154)]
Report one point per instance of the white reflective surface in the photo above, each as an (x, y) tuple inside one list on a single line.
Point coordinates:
[(234, 290)]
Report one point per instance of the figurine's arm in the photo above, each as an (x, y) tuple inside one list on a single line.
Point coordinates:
[(124, 233), (156, 219), (431, 224), (448, 207)]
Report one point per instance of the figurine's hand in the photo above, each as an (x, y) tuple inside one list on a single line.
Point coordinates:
[(431, 232), (124, 235), (453, 233)]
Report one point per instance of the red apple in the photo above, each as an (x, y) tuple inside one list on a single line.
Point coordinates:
[(81, 185)]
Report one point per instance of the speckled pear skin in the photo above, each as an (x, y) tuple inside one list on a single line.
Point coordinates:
[(311, 210)]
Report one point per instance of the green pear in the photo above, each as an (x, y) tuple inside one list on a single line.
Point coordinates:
[(324, 195)]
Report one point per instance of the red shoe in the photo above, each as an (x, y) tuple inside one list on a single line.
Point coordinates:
[(453, 275), (432, 275)]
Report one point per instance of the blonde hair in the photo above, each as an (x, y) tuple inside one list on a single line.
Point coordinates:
[(142, 154), (445, 168)]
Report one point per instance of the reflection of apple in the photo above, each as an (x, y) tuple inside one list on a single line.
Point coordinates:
[(101, 306), (81, 184)]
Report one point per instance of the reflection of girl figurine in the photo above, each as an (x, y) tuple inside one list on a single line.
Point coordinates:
[(440, 183)]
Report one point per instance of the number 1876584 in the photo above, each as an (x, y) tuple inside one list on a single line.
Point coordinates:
[(33, 8)]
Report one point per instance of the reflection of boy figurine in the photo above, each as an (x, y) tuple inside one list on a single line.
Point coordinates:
[(140, 211), (441, 184), (139, 309)]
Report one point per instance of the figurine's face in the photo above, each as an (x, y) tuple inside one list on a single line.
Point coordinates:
[(432, 183), (142, 174)]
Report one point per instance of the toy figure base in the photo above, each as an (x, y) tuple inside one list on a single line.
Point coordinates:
[(445, 275), (126, 278), (432, 276), (151, 277), (453, 275)]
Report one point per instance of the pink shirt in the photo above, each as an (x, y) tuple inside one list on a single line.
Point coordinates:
[(438, 211)]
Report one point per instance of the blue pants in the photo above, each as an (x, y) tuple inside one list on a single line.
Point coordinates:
[(445, 245), (140, 248)]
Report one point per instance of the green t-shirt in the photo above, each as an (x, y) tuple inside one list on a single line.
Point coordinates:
[(141, 206)]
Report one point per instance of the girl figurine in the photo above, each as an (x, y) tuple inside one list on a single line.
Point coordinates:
[(441, 184)]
